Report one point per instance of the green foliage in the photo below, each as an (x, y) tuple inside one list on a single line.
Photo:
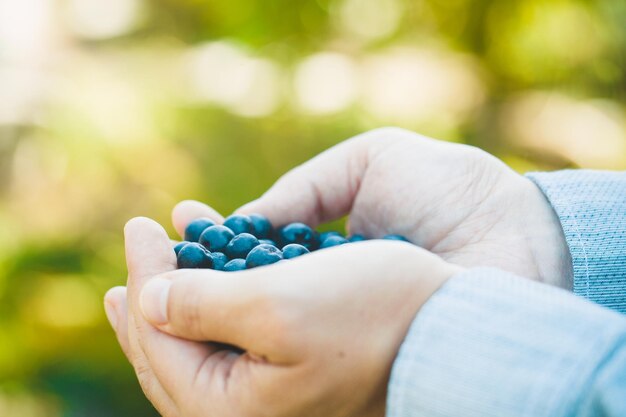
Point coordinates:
[(123, 128)]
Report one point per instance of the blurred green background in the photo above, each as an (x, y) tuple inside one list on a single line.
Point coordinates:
[(115, 108)]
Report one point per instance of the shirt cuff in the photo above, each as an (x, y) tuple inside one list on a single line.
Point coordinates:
[(591, 206), (489, 343)]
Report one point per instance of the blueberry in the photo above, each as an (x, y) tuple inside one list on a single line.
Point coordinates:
[(215, 238), (262, 227), (324, 235), (241, 245), (294, 250), (219, 260), (196, 227), (235, 265), (299, 233), (179, 246), (263, 255), (194, 255), (356, 238), (333, 241), (396, 237), (267, 242), (239, 223)]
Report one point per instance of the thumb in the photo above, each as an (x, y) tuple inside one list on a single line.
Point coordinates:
[(320, 190), (211, 306), (148, 251)]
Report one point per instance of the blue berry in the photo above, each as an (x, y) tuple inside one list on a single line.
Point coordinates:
[(241, 245), (356, 238), (333, 241), (194, 255), (324, 235), (301, 234), (294, 250), (179, 246), (196, 227), (245, 242), (396, 237), (219, 260), (263, 255), (235, 265), (262, 226), (239, 223), (215, 238)]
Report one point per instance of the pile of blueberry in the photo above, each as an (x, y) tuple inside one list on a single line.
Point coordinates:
[(245, 242)]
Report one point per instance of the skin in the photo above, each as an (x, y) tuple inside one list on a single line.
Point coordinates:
[(305, 347)]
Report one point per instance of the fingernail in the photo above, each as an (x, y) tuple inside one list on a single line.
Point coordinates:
[(111, 314), (153, 300)]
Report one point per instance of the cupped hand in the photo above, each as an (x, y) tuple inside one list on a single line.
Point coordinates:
[(453, 200), (318, 333)]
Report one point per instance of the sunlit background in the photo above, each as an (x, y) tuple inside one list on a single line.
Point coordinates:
[(116, 108)]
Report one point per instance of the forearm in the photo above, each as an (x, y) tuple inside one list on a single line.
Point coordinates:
[(492, 344)]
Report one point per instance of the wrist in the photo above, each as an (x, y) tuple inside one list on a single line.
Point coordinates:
[(427, 273), (545, 238)]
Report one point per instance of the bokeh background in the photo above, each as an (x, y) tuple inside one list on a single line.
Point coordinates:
[(116, 108)]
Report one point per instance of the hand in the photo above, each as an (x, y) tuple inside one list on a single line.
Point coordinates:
[(453, 200), (319, 332)]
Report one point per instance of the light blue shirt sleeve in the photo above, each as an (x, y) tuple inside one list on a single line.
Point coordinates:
[(491, 344), (591, 206)]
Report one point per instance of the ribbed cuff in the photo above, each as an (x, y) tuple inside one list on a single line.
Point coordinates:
[(591, 206), (489, 343)]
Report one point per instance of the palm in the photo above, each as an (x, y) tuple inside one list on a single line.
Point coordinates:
[(451, 200)]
